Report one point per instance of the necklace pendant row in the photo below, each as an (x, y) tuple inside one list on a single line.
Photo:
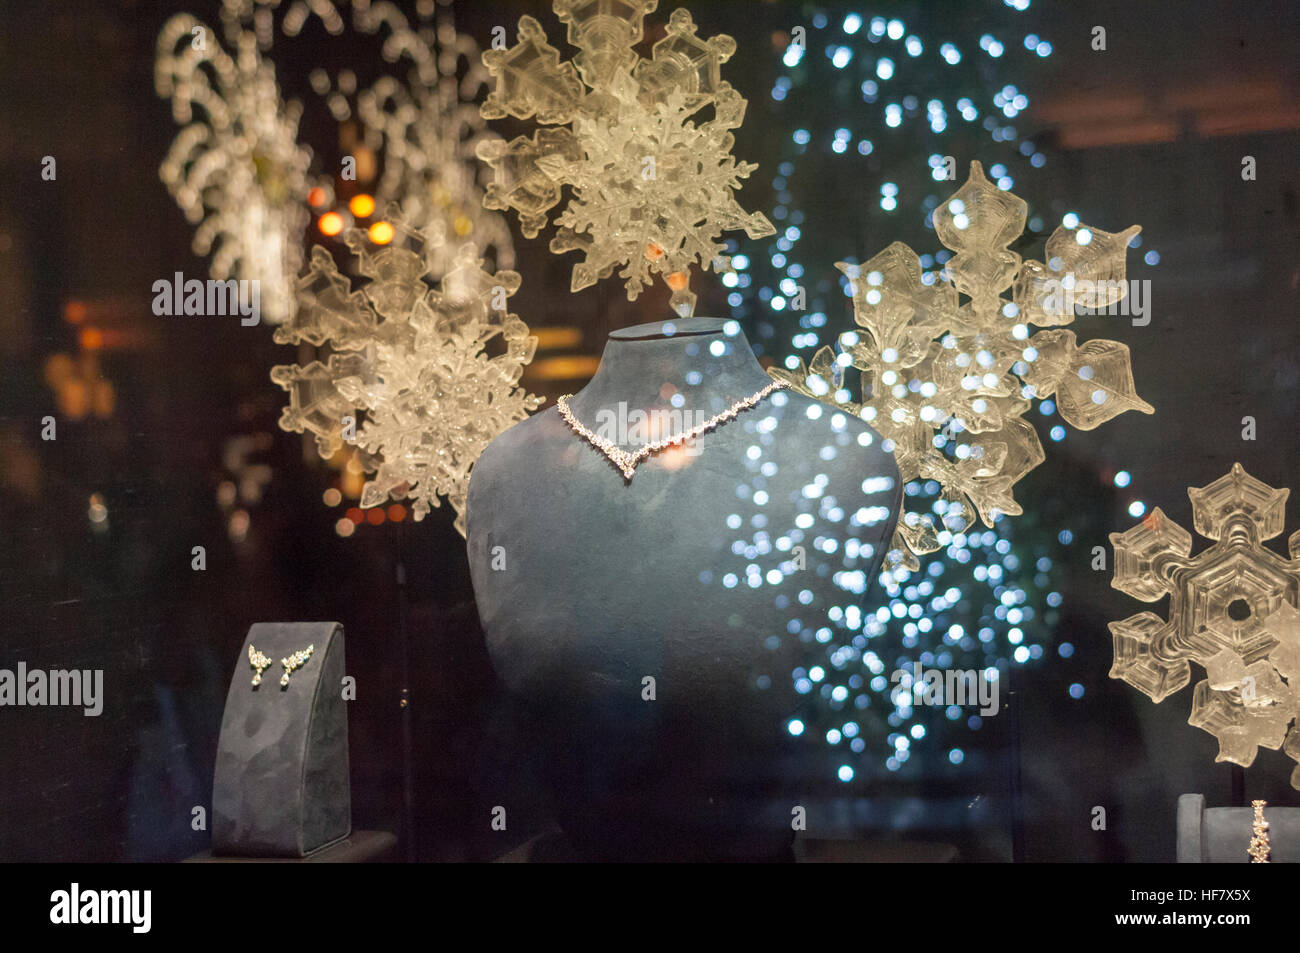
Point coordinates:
[(628, 462)]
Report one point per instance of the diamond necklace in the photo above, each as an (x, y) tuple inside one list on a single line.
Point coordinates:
[(627, 462)]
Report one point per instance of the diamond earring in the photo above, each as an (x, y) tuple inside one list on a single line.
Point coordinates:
[(259, 661), (295, 661)]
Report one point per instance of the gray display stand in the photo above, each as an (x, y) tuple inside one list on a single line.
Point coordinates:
[(1221, 835), (281, 786)]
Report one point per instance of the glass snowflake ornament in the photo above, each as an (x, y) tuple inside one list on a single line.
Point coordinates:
[(1232, 611), (412, 367), (652, 181), (422, 122), (236, 168), (946, 381)]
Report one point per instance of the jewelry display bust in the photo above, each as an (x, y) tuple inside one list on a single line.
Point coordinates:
[(647, 623)]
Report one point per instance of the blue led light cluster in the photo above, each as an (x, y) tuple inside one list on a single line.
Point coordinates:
[(983, 602)]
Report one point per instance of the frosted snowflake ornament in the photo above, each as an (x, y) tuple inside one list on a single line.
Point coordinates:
[(236, 168), (1232, 611), (653, 182), (412, 366), (422, 121), (946, 382)]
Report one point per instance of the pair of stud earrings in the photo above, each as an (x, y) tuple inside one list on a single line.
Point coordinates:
[(260, 661)]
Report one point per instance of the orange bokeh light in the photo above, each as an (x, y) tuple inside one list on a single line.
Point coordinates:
[(653, 252), (316, 197), (381, 233), (356, 514), (92, 339), (331, 223), (75, 312), (361, 205), (375, 516), (676, 281), (397, 512)]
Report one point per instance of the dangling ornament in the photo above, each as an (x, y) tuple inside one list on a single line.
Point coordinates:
[(236, 168), (947, 384), (653, 186), (410, 383)]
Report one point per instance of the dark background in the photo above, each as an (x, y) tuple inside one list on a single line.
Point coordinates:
[(1151, 131)]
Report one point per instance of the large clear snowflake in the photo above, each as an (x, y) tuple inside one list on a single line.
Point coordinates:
[(1232, 611), (235, 169), (946, 383), (411, 369), (653, 183)]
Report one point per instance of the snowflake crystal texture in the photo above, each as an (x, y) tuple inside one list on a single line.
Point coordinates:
[(946, 383), (235, 169), (410, 366), (1232, 611), (653, 189), (424, 123)]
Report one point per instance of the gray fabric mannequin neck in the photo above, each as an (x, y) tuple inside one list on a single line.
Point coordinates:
[(710, 369), (648, 627)]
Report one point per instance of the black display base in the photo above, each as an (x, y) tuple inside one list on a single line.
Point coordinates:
[(359, 847), (814, 851), (553, 847)]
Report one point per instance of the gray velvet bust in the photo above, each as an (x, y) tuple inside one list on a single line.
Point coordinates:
[(709, 572)]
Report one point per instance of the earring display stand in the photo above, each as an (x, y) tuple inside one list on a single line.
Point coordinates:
[(281, 786)]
